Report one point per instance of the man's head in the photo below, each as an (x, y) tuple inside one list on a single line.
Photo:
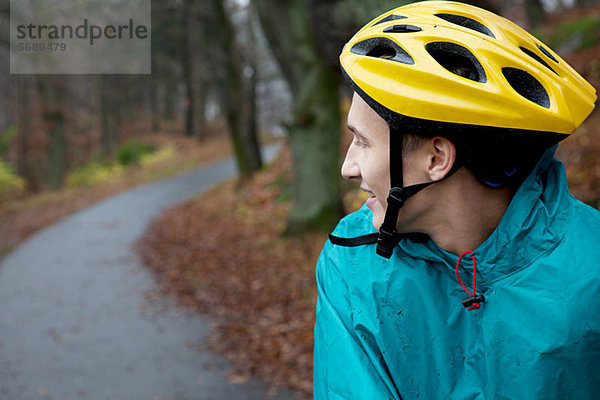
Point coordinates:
[(471, 86), (367, 161)]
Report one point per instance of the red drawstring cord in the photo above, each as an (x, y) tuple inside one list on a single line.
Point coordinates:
[(474, 300)]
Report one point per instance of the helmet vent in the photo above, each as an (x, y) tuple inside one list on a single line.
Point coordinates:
[(380, 47), (527, 86), (547, 53), (457, 59), (467, 23), (537, 58), (391, 17)]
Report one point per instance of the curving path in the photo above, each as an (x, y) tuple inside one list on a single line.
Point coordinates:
[(76, 321)]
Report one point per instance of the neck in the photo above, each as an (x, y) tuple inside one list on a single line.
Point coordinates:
[(467, 214)]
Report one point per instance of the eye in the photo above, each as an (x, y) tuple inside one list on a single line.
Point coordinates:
[(360, 143)]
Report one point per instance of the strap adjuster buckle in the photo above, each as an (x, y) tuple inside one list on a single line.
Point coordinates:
[(396, 197), (386, 241), (473, 301)]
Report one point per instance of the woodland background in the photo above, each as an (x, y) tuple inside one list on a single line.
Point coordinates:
[(227, 77)]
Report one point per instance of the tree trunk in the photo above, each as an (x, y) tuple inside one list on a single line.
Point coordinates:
[(108, 117), (233, 106), (252, 145), (535, 12), (315, 130), (24, 84), (251, 142), (52, 98), (154, 96), (243, 138), (196, 123), (170, 96)]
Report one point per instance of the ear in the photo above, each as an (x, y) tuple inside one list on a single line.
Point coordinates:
[(442, 154)]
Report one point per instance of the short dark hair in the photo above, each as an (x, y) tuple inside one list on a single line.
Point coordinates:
[(411, 142)]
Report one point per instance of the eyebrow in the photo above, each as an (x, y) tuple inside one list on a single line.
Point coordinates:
[(357, 132)]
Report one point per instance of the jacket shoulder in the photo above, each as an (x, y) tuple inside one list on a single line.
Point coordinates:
[(582, 229), (355, 224), (336, 259), (585, 218)]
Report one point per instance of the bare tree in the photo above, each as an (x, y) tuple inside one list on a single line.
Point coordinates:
[(315, 129), (108, 115), (234, 92), (196, 120), (52, 97), (23, 93)]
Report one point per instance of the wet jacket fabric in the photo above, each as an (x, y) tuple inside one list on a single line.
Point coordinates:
[(397, 329)]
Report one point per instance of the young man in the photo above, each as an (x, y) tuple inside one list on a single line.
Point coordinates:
[(471, 272)]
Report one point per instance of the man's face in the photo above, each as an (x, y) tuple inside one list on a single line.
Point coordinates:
[(367, 159), (367, 162)]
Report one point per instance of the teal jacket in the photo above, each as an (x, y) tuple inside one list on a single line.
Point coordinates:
[(397, 329)]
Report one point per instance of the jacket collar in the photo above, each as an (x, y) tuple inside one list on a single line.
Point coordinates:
[(533, 224)]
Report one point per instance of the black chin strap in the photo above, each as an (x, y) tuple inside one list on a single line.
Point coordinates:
[(388, 237)]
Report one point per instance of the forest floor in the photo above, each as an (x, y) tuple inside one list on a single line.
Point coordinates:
[(21, 217), (260, 284)]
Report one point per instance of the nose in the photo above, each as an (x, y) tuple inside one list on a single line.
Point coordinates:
[(350, 167)]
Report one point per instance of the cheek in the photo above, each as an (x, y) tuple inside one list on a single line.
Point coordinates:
[(382, 182), (375, 172)]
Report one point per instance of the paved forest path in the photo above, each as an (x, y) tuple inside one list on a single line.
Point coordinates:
[(75, 321)]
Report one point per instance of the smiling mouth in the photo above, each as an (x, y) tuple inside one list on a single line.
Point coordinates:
[(367, 191), (372, 198)]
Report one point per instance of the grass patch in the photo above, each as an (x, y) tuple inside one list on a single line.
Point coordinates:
[(94, 173), (11, 185), (133, 151)]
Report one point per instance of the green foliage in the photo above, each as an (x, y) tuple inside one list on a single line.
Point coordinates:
[(132, 152), (156, 156), (577, 35), (11, 185), (98, 170), (94, 172), (6, 137)]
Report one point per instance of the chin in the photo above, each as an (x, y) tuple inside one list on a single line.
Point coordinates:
[(377, 219)]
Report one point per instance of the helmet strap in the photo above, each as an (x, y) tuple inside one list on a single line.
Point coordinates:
[(388, 236)]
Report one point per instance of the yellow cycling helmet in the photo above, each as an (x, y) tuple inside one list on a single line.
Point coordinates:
[(398, 64)]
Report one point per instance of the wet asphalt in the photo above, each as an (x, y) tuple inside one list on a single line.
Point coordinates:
[(77, 320)]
